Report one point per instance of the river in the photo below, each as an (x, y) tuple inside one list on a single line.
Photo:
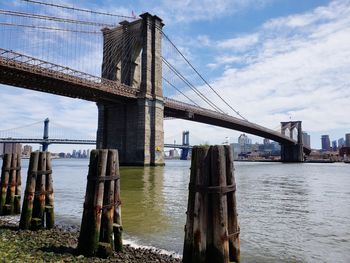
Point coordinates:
[(287, 212)]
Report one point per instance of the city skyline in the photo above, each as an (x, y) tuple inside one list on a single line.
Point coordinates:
[(268, 61)]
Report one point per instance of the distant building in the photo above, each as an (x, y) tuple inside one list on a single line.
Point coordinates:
[(245, 143), (341, 143), (325, 142), (266, 141), (334, 145), (173, 153), (27, 150), (306, 139), (1, 149), (347, 140), (236, 149)]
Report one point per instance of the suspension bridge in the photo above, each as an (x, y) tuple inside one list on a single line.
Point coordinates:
[(144, 77), (41, 133)]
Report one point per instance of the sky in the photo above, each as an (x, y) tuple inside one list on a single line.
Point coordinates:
[(272, 60)]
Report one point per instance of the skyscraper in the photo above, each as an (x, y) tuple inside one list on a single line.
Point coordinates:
[(334, 145), (347, 140), (306, 139), (326, 144), (341, 142)]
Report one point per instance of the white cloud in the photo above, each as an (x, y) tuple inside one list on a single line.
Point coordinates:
[(298, 68), (240, 43)]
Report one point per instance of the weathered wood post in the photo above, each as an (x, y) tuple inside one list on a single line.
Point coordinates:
[(38, 202), (91, 222), (39, 195), (26, 215), (18, 193), (49, 197), (211, 231), (11, 190), (10, 185), (98, 226), (5, 174), (117, 220)]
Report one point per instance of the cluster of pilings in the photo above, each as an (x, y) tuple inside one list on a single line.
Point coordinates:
[(212, 229), (101, 230), (10, 202), (38, 203)]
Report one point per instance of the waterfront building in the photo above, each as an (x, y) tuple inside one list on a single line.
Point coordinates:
[(341, 143), (236, 149), (325, 142), (306, 139), (245, 143), (347, 140)]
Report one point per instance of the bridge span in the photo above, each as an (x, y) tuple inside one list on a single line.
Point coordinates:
[(129, 95), (27, 72)]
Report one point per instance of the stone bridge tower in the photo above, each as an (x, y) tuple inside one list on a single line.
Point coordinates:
[(292, 153), (132, 55)]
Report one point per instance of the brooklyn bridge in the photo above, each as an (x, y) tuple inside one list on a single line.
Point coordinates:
[(138, 61)]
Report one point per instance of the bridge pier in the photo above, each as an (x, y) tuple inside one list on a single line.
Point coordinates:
[(134, 127), (292, 153)]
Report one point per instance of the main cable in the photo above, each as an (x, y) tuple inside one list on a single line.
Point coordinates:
[(79, 9)]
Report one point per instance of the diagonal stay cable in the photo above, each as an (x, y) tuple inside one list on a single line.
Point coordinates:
[(206, 82), (191, 86), (172, 85)]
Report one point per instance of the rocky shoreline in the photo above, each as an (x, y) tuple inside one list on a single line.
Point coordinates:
[(59, 245)]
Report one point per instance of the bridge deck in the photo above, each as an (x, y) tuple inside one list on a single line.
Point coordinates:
[(27, 72)]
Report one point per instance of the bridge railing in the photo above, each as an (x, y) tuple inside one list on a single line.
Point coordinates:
[(17, 60)]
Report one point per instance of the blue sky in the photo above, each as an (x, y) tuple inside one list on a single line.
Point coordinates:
[(273, 60)]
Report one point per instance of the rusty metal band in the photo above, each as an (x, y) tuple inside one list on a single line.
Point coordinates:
[(11, 169), (212, 189), (100, 208), (104, 178), (111, 205), (41, 172), (38, 193), (233, 234)]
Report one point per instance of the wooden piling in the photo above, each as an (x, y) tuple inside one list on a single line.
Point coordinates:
[(17, 204), (11, 190), (106, 238), (117, 216), (39, 196), (26, 215), (49, 197), (211, 231), (5, 174), (91, 221), (233, 226)]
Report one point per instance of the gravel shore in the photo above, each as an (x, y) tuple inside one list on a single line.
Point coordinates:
[(59, 245)]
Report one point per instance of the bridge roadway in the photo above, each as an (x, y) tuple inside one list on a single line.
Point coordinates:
[(30, 73), (67, 141)]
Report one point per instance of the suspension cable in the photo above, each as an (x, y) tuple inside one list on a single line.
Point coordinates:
[(191, 86), (167, 81), (50, 28), (53, 18), (206, 82), (79, 9)]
